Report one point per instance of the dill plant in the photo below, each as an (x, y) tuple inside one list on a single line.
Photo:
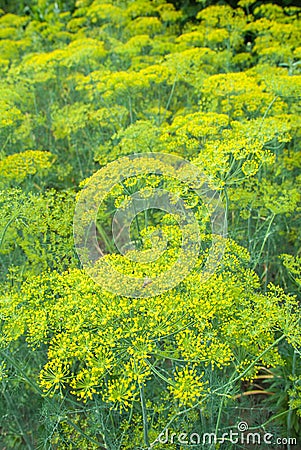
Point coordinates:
[(81, 367)]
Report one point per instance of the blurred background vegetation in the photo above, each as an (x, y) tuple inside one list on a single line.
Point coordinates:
[(36, 7)]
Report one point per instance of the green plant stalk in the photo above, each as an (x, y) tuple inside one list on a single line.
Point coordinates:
[(264, 240), (162, 377), (290, 413), (13, 408), (240, 376), (26, 378), (221, 407), (104, 236), (270, 420), (267, 111), (144, 416), (82, 433), (6, 228), (171, 421)]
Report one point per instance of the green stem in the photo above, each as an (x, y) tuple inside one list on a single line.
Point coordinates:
[(156, 372), (13, 409), (269, 421), (264, 240), (6, 228), (104, 237), (240, 376), (170, 96), (221, 407), (155, 442), (266, 112), (144, 416), (19, 369), (82, 433), (290, 413)]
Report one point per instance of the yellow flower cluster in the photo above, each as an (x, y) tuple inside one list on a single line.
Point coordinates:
[(15, 168), (103, 344)]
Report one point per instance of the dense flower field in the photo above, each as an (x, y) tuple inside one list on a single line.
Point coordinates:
[(82, 367)]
